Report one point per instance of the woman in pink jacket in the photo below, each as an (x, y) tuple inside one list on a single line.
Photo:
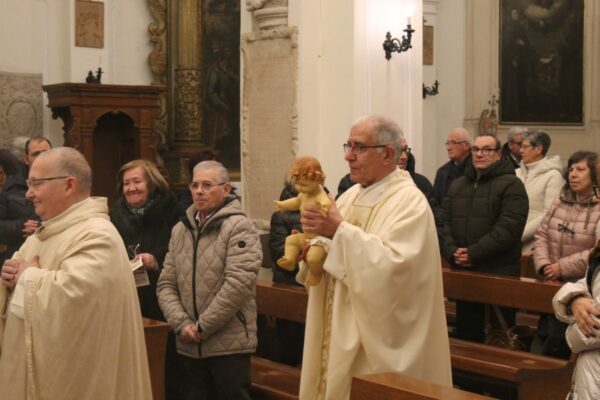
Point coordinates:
[(563, 241)]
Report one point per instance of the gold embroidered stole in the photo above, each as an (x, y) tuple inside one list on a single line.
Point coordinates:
[(359, 216)]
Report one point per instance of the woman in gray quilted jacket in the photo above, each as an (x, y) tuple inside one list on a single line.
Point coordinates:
[(207, 288)]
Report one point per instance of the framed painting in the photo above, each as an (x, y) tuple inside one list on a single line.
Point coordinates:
[(89, 24), (203, 78), (541, 62)]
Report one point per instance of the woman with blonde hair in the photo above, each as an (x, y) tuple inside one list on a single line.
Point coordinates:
[(144, 215)]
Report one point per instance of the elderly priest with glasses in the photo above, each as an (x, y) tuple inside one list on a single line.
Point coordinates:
[(70, 326), (379, 306)]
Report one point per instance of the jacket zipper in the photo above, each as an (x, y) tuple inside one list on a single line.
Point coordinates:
[(242, 319), (196, 241)]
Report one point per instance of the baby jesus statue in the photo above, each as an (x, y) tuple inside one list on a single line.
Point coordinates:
[(308, 177)]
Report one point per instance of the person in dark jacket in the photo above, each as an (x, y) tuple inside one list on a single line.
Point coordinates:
[(17, 216), (290, 335), (484, 215), (407, 162), (458, 146), (512, 148), (144, 215)]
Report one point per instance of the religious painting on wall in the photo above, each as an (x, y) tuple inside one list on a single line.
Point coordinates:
[(221, 70), (89, 24), (541, 61), (201, 67)]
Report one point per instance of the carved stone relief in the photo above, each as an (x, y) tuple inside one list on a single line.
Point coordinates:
[(269, 117), (21, 106)]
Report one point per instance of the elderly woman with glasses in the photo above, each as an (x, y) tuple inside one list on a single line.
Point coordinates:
[(567, 233), (543, 180)]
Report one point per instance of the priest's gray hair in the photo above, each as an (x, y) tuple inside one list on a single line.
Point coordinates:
[(384, 130), (70, 162), (221, 171)]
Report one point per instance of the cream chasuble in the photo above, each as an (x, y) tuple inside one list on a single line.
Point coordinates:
[(72, 329), (380, 306)]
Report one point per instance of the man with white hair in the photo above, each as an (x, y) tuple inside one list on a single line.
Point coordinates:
[(73, 328), (458, 146), (512, 148), (379, 306)]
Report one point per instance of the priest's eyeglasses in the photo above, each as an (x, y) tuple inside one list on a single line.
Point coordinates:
[(205, 186), (34, 183), (359, 148)]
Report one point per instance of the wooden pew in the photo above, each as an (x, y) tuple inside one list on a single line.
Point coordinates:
[(272, 380), (520, 293), (531, 376), (520, 372), (389, 386), (155, 333)]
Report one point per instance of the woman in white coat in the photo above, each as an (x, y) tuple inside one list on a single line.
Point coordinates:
[(578, 304), (543, 180)]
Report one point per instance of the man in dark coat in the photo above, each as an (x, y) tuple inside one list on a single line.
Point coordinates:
[(512, 148), (484, 215), (407, 162), (17, 216), (458, 146)]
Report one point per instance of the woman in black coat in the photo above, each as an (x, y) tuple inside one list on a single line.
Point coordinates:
[(144, 215)]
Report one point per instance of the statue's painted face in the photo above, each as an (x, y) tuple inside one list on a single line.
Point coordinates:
[(306, 186)]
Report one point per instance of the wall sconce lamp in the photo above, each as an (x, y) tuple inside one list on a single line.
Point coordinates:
[(395, 45), (431, 90)]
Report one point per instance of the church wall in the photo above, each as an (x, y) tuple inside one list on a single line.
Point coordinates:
[(343, 74), (38, 36), (446, 110)]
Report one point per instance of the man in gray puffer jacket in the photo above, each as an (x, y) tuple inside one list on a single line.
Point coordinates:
[(206, 289)]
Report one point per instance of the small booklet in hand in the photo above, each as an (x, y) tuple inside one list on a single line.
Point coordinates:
[(139, 274)]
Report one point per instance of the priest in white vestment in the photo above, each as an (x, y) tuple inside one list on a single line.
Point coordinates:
[(70, 325), (379, 306)]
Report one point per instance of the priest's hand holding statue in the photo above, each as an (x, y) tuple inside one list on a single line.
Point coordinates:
[(308, 178)]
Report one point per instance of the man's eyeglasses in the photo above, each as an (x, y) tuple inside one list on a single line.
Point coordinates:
[(486, 151), (527, 146), (359, 148), (454, 142), (205, 186), (517, 143), (33, 182), (406, 150)]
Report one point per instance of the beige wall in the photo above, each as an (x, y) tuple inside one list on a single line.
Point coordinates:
[(37, 36)]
